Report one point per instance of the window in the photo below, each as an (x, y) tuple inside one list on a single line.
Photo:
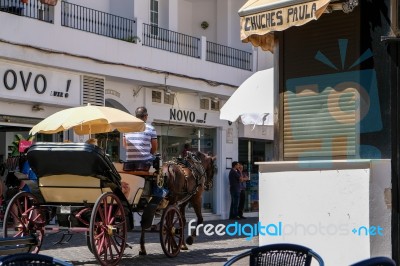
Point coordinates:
[(154, 16), (215, 105), (205, 103), (169, 98), (156, 96)]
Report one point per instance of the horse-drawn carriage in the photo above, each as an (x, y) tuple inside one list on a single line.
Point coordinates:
[(79, 189)]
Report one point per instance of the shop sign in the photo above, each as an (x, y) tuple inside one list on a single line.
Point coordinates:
[(186, 116), (279, 19), (33, 84)]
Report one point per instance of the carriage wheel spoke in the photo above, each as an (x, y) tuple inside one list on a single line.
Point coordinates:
[(108, 238), (23, 218), (171, 234)]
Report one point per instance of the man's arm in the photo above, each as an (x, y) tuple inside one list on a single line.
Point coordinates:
[(154, 144), (124, 141)]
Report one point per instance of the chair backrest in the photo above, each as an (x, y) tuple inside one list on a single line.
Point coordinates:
[(279, 254), (31, 259), (376, 261)]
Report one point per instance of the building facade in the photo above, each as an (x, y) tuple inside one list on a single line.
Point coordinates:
[(180, 59)]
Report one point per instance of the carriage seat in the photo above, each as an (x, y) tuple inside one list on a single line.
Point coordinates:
[(72, 172), (139, 172), (132, 187)]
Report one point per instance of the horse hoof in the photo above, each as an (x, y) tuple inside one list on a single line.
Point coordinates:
[(184, 247), (142, 253), (189, 240)]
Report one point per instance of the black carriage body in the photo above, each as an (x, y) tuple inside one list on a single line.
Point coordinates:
[(72, 176)]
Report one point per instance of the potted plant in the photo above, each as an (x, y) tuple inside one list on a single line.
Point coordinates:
[(49, 2)]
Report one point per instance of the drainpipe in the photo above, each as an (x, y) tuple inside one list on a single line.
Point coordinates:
[(203, 48)]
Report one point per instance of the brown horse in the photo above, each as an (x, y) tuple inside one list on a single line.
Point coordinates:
[(186, 181)]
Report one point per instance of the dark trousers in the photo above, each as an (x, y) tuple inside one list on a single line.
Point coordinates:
[(242, 199), (233, 213)]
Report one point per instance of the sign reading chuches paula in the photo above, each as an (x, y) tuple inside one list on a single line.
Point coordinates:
[(36, 84), (281, 18)]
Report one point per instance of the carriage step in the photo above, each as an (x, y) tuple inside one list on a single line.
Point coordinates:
[(65, 238)]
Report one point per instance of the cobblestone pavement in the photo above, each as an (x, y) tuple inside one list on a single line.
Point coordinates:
[(207, 250)]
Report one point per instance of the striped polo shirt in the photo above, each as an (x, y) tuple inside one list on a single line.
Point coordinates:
[(138, 144)]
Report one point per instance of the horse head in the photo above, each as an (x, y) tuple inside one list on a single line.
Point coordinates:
[(208, 163)]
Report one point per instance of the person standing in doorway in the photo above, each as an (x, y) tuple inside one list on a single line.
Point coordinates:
[(141, 146), (242, 197), (234, 188), (186, 149)]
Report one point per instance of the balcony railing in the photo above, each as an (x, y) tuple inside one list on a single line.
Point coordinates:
[(33, 9), (98, 22), (171, 41), (229, 56), (109, 25)]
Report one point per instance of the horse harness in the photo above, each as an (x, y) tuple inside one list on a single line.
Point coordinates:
[(194, 165)]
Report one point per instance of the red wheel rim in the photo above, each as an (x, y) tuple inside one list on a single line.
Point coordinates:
[(108, 230), (23, 217)]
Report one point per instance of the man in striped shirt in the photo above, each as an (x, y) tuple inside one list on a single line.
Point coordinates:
[(140, 146)]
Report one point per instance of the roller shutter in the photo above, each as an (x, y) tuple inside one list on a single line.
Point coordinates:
[(320, 93), (320, 124)]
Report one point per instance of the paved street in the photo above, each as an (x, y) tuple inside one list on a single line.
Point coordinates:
[(207, 250)]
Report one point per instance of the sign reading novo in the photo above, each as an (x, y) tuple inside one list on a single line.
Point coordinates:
[(35, 84), (186, 116), (282, 18)]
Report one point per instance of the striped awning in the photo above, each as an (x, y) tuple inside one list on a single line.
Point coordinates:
[(260, 18)]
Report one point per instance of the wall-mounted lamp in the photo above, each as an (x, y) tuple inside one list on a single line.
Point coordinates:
[(135, 92), (346, 6), (168, 91), (37, 107)]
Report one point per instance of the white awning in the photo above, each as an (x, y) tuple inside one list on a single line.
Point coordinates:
[(260, 18), (253, 101)]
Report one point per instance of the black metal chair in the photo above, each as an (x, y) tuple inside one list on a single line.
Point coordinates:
[(23, 259), (278, 255), (376, 261)]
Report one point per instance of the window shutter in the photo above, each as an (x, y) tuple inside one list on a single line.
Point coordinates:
[(93, 91)]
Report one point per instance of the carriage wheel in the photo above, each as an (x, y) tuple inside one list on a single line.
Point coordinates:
[(171, 231), (108, 229), (23, 217), (89, 245)]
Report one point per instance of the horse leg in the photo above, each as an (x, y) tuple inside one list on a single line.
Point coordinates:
[(182, 209), (196, 203), (142, 250)]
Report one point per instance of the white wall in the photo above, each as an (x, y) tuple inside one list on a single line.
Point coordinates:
[(204, 11), (142, 10), (101, 5), (319, 203), (185, 13), (122, 8)]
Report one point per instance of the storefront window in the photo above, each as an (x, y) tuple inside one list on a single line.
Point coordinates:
[(172, 140), (109, 142), (251, 151)]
